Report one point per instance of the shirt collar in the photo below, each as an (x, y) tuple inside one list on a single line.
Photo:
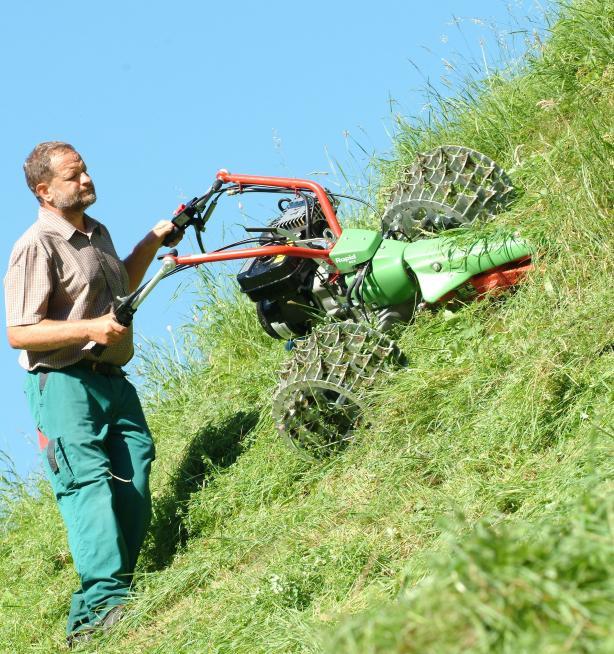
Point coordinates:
[(56, 223)]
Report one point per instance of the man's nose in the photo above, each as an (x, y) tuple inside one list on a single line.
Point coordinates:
[(85, 179)]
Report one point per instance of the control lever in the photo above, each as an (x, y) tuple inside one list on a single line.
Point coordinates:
[(188, 214)]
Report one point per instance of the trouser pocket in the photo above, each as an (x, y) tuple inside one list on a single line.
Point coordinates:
[(59, 465), (42, 381)]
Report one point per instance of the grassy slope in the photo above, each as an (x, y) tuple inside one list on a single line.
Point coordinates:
[(476, 516)]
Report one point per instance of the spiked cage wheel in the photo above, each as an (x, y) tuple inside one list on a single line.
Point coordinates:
[(450, 186), (320, 400)]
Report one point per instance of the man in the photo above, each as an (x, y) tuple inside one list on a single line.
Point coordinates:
[(62, 276)]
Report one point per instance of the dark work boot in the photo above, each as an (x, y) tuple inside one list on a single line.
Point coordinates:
[(77, 637), (112, 617)]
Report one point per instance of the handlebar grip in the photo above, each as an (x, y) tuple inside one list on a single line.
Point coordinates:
[(172, 236), (98, 349)]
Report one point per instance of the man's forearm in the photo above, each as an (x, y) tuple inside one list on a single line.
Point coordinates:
[(53, 334), (140, 258), (49, 335)]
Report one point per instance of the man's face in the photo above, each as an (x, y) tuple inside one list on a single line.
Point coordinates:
[(71, 187)]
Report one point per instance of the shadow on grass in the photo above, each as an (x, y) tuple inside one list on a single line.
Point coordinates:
[(213, 449)]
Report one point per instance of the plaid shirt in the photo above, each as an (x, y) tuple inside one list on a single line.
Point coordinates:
[(60, 273)]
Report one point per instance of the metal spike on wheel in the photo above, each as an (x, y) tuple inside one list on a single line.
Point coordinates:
[(450, 186), (320, 399)]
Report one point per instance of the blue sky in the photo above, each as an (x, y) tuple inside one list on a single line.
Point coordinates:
[(157, 96)]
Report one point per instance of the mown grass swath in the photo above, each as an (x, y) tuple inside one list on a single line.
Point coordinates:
[(476, 512)]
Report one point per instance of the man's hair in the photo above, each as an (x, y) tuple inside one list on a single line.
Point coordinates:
[(37, 166)]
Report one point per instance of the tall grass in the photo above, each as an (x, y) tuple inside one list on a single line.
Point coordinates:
[(475, 515)]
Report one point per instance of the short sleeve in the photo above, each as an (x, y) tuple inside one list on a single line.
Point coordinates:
[(27, 284)]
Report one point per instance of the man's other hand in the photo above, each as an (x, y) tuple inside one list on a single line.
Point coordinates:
[(106, 330)]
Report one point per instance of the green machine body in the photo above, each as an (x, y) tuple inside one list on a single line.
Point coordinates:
[(399, 271)]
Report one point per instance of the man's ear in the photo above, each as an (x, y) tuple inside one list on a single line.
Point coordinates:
[(42, 191)]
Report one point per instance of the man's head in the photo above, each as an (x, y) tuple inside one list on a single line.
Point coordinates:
[(58, 177)]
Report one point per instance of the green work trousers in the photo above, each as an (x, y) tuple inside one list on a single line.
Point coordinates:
[(98, 460)]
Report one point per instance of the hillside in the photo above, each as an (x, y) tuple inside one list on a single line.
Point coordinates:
[(476, 513)]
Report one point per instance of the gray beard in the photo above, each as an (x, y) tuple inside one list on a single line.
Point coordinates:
[(75, 202)]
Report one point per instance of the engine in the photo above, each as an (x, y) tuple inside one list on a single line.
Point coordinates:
[(290, 292)]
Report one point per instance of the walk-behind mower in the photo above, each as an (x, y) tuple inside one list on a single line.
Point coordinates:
[(333, 293)]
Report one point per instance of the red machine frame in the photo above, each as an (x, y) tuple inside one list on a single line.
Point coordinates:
[(272, 250)]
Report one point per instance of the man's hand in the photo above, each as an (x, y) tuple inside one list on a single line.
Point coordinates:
[(162, 230), (106, 330)]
